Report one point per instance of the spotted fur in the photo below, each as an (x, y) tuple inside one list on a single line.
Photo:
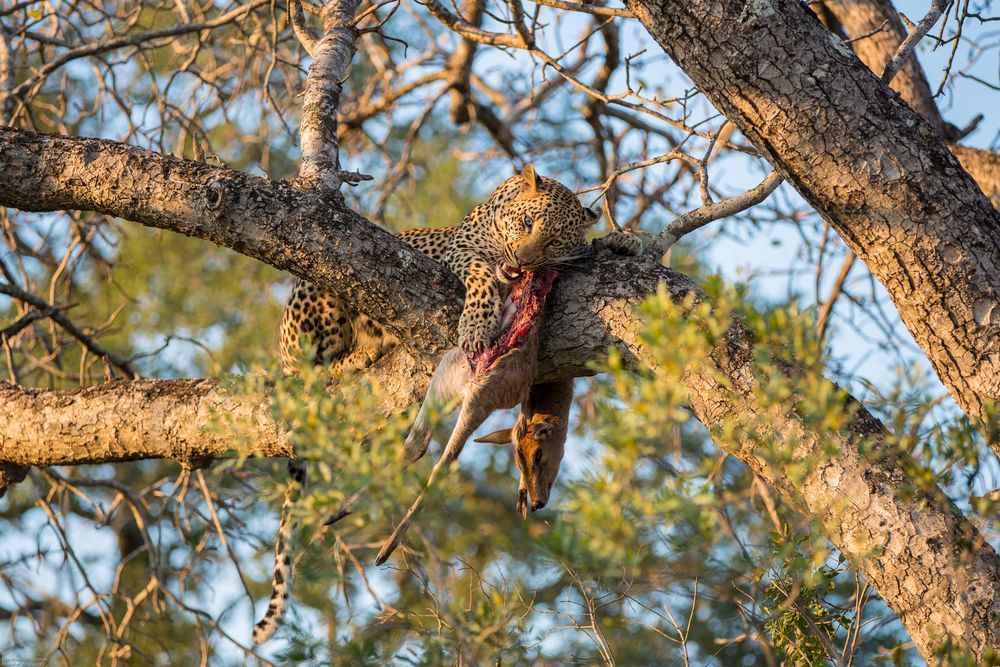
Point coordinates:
[(280, 583), (527, 222)]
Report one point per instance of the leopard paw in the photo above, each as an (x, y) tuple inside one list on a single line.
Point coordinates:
[(620, 242), (474, 335)]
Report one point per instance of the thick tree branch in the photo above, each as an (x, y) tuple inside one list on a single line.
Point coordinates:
[(882, 177), (984, 166), (320, 162), (191, 421), (879, 20), (307, 233), (862, 17), (927, 561)]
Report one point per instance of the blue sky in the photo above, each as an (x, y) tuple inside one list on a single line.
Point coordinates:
[(752, 258)]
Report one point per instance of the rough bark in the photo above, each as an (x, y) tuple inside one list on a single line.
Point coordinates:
[(879, 19), (320, 162), (984, 166), (190, 421), (882, 176), (942, 581), (926, 560), (311, 234)]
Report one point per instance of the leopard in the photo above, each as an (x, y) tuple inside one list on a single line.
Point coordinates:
[(528, 222)]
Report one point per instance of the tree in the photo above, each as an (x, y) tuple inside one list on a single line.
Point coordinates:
[(784, 441)]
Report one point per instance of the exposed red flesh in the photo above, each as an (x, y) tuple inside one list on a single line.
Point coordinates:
[(528, 295)]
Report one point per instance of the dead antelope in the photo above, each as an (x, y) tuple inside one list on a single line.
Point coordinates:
[(498, 378), (539, 439)]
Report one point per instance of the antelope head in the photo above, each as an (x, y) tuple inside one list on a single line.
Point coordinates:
[(539, 443)]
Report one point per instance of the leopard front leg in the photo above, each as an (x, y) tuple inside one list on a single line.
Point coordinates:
[(483, 302)]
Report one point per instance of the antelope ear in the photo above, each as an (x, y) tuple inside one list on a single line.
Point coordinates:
[(529, 180), (501, 437), (542, 430)]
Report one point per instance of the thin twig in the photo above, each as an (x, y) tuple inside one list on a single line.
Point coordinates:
[(16, 292), (825, 310), (938, 7), (703, 215)]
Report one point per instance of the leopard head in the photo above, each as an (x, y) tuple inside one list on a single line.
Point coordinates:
[(543, 223)]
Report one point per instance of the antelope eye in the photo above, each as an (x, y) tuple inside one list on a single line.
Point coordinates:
[(538, 456)]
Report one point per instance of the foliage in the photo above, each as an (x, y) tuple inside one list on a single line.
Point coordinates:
[(659, 544)]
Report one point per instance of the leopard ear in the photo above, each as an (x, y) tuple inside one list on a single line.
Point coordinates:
[(529, 180), (592, 215)]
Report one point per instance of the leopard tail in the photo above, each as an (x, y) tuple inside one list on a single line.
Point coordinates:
[(281, 579)]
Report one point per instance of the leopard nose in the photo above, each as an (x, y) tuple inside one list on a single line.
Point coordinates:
[(525, 255)]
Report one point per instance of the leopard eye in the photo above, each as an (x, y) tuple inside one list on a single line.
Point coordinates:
[(528, 222)]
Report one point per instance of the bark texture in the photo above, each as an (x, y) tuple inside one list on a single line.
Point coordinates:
[(942, 581), (882, 176), (926, 560), (310, 234), (191, 421), (879, 20), (320, 162)]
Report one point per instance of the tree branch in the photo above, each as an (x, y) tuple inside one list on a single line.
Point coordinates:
[(910, 43), (701, 216), (460, 26), (47, 310), (896, 539), (320, 161), (99, 47), (316, 237), (882, 177), (310, 234), (190, 421), (911, 83), (879, 20)]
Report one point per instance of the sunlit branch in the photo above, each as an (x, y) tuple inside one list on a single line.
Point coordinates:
[(703, 215)]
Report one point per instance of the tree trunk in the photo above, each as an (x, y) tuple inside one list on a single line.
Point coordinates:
[(878, 173), (929, 563), (879, 20), (862, 17)]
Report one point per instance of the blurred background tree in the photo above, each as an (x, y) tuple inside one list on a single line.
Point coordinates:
[(658, 547)]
